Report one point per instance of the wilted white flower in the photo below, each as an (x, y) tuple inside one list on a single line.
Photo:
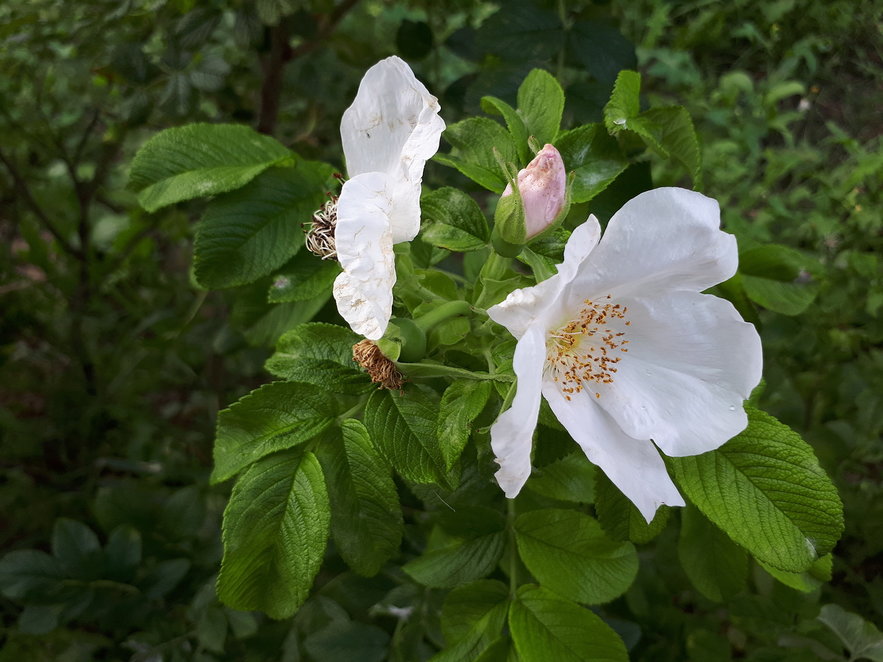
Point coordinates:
[(388, 133), (627, 351)]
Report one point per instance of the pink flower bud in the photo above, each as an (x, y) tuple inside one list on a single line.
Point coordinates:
[(543, 188)]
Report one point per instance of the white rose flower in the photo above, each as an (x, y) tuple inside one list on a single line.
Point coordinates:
[(627, 351), (388, 133)]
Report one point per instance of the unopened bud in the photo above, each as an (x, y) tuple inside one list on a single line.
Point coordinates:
[(543, 189)]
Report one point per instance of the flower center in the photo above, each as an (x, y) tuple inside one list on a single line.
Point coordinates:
[(320, 238), (585, 351)]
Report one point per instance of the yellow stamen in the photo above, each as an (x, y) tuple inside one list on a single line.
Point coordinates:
[(584, 350)]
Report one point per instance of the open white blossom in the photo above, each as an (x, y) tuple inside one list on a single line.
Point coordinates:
[(388, 133), (626, 349)]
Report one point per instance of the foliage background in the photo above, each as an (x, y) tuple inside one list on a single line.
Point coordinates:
[(113, 363)]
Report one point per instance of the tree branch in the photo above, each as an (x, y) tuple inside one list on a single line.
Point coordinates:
[(281, 54), (24, 191)]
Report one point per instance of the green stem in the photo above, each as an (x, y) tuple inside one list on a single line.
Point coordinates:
[(431, 370), (441, 313), (349, 413)]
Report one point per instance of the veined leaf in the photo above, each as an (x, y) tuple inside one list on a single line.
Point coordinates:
[(461, 403), (472, 618), (275, 530), (619, 517), (455, 221), (715, 565), (402, 427), (251, 232), (569, 553), (593, 157), (493, 105), (601, 49), (765, 489), (200, 160), (624, 102), (303, 280), (474, 141), (366, 521), (276, 416), (670, 133), (469, 553), (547, 627), (862, 638), (771, 274), (319, 354), (540, 105), (570, 478)]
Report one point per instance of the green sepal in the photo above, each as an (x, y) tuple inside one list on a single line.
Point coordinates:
[(409, 337)]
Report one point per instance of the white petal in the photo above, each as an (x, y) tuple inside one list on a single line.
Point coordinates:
[(633, 465), (404, 215), (691, 363), (512, 433), (393, 124), (667, 238), (542, 302), (364, 248)]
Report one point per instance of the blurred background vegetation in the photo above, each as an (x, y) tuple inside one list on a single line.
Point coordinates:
[(113, 363)]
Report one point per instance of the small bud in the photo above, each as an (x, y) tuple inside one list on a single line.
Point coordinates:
[(543, 189)]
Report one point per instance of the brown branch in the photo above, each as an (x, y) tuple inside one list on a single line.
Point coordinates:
[(281, 54), (24, 191)]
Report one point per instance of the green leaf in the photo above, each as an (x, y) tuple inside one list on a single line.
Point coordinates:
[(540, 105), (594, 158), (570, 478), (211, 629), (348, 641), (862, 638), (319, 354), (624, 102), (546, 627), (470, 552), (461, 404), (619, 517), (200, 160), (569, 553), (765, 489), (29, 572), (670, 132), (715, 565), (303, 280), (366, 521), (454, 221), (493, 105), (274, 532), (472, 618), (601, 49), (402, 427), (414, 40), (75, 545), (474, 141), (251, 232), (276, 416), (772, 274), (521, 32), (806, 582), (123, 553)]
